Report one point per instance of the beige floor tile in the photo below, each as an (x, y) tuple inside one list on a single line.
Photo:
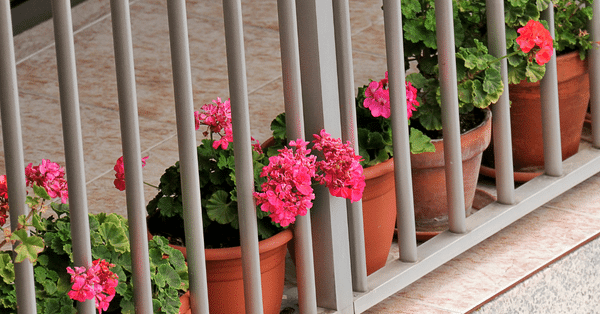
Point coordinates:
[(507, 256), (580, 198)]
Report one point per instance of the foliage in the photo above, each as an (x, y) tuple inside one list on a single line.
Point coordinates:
[(110, 241), (571, 23)]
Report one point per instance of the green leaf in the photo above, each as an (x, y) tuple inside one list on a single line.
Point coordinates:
[(278, 127), (534, 72), (29, 248), (114, 236), (492, 82), (7, 268), (419, 142), (220, 209), (41, 192), (169, 207), (478, 94), (37, 222)]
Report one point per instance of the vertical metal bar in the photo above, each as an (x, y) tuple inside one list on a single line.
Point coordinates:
[(550, 111), (71, 122), (13, 153), (451, 127), (186, 135), (345, 71), (136, 212), (407, 241), (322, 111), (240, 118), (594, 67), (505, 184), (292, 94)]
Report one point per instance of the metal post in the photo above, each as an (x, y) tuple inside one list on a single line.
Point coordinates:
[(13, 153), (407, 241), (186, 135), (322, 111), (550, 111), (292, 94), (345, 71), (136, 212), (71, 122), (594, 67), (240, 118), (451, 127), (505, 184)]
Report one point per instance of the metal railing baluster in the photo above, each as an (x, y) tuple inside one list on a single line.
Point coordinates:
[(128, 112), (505, 184), (345, 71), (451, 127), (594, 66), (550, 111), (71, 122), (407, 241), (186, 135), (292, 94), (13, 153), (240, 118)]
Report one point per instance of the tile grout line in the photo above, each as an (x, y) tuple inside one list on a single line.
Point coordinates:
[(75, 32), (573, 211), (534, 271)]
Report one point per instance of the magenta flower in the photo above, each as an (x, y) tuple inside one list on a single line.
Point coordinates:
[(340, 170), (287, 192), (218, 119), (50, 176), (377, 98), (120, 173), (95, 283)]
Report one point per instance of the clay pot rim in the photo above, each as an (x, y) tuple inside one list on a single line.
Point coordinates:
[(379, 169), (263, 246)]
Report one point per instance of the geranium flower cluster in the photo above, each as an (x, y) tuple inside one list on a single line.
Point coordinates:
[(95, 283), (535, 40), (341, 169), (377, 98), (120, 173), (50, 176), (218, 119), (3, 200), (288, 193)]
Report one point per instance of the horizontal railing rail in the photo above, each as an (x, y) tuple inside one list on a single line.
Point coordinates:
[(319, 93)]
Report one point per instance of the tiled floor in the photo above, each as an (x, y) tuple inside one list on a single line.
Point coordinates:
[(457, 287)]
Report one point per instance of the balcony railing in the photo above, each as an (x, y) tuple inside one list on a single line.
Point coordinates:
[(317, 71)]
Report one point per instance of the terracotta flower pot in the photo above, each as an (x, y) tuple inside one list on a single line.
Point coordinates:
[(429, 177), (526, 116), (379, 213), (225, 277)]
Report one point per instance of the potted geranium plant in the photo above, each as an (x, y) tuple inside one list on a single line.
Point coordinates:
[(108, 280), (283, 190), (572, 41), (479, 85)]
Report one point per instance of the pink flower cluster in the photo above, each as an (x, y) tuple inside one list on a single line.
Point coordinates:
[(341, 169), (120, 173), (95, 283), (377, 98), (218, 119), (288, 193), (535, 34), (50, 176), (3, 200)]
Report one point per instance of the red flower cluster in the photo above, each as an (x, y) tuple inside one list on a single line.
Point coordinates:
[(120, 173), (377, 98), (218, 118), (50, 176), (533, 35), (95, 283), (287, 191)]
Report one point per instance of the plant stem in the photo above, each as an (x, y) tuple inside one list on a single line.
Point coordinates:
[(148, 184)]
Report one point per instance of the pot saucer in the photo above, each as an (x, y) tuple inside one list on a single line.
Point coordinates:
[(519, 176)]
